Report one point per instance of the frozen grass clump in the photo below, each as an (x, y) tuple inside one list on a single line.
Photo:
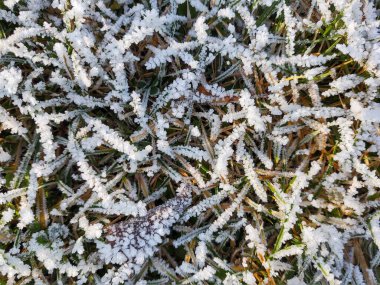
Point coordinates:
[(189, 142)]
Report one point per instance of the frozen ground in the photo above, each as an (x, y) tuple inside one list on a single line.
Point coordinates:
[(189, 142)]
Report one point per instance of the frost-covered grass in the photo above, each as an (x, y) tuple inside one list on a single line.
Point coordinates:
[(189, 142)]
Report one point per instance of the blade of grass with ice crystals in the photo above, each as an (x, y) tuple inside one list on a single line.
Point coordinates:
[(22, 169), (226, 73)]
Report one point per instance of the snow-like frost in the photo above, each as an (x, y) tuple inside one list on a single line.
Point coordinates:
[(224, 142)]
